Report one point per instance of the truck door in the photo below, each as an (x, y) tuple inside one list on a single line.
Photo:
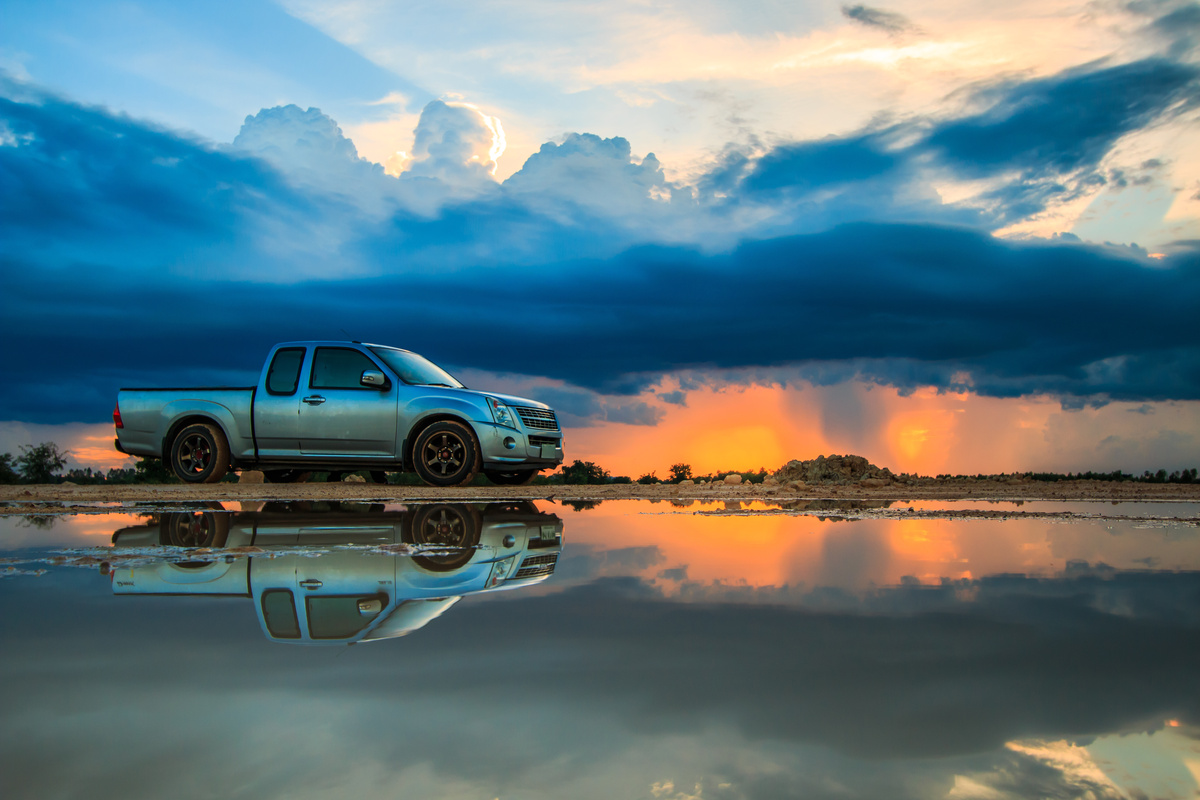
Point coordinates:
[(340, 416), (277, 406), (330, 598)]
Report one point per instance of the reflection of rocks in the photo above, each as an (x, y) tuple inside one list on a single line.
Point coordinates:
[(835, 469), (837, 508)]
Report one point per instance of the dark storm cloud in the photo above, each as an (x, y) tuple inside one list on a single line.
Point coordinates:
[(916, 303), (134, 256), (1043, 139), (889, 21), (1064, 122)]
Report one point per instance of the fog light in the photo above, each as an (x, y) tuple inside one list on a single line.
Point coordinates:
[(510, 540), (509, 443)]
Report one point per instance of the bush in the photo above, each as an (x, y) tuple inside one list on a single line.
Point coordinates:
[(153, 470), (584, 472), (648, 478)]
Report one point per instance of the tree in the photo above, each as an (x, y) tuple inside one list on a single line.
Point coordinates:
[(7, 473), (681, 472), (648, 478), (584, 472), (41, 463)]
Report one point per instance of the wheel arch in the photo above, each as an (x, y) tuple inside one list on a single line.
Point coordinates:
[(424, 422), (194, 418)]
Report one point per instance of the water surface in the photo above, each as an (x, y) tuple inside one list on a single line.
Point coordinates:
[(650, 652)]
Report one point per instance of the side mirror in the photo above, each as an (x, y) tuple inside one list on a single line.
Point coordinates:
[(374, 378)]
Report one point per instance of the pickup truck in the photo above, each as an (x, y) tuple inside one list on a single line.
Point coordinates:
[(340, 407), (345, 575)]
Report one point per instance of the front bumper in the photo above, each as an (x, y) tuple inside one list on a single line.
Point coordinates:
[(502, 446)]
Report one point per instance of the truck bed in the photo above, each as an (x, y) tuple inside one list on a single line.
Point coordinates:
[(147, 416)]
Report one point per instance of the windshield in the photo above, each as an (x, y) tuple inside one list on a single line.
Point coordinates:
[(412, 368)]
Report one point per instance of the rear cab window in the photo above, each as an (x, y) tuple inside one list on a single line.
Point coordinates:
[(284, 373), (279, 613)]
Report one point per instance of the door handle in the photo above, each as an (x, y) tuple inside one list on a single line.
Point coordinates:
[(311, 583), (315, 400)]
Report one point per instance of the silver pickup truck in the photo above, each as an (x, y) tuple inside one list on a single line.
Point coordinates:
[(345, 575), (340, 407)]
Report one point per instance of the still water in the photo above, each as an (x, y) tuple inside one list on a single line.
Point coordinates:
[(621, 650)]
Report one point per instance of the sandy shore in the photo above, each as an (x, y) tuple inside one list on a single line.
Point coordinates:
[(76, 499)]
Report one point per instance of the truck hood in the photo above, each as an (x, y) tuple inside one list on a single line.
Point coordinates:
[(507, 399)]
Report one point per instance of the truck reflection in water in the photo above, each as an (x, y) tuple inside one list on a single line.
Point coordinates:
[(337, 574)]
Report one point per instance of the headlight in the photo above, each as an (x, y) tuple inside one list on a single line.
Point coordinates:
[(502, 414), (500, 571)]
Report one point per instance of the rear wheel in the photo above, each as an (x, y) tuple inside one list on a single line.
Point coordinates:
[(194, 528), (516, 477), (446, 454), (200, 454)]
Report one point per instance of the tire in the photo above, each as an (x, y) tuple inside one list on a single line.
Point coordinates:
[(446, 454), (453, 526), (516, 477), (285, 475), (194, 528), (200, 454)]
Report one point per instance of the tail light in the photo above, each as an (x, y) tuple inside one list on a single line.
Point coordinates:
[(117, 416)]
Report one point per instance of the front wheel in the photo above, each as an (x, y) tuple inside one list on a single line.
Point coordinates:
[(452, 527), (515, 477), (446, 454), (200, 454)]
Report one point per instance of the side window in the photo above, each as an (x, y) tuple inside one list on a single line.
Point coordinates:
[(280, 613), (338, 368), (341, 617), (284, 373)]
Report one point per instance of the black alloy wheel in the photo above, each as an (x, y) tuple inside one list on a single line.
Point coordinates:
[(194, 528), (453, 527), (446, 454), (200, 454)]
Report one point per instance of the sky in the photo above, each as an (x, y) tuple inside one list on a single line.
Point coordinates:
[(950, 237)]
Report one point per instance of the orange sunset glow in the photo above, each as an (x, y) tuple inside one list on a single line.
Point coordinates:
[(778, 550), (925, 432)]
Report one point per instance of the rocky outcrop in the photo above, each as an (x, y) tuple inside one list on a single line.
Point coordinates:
[(834, 469)]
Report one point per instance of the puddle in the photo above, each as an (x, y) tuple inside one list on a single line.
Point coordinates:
[(621, 649)]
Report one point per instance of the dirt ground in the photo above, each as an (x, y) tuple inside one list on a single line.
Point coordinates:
[(82, 499)]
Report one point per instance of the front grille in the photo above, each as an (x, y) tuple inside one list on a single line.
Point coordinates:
[(538, 441), (539, 418), (535, 566)]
